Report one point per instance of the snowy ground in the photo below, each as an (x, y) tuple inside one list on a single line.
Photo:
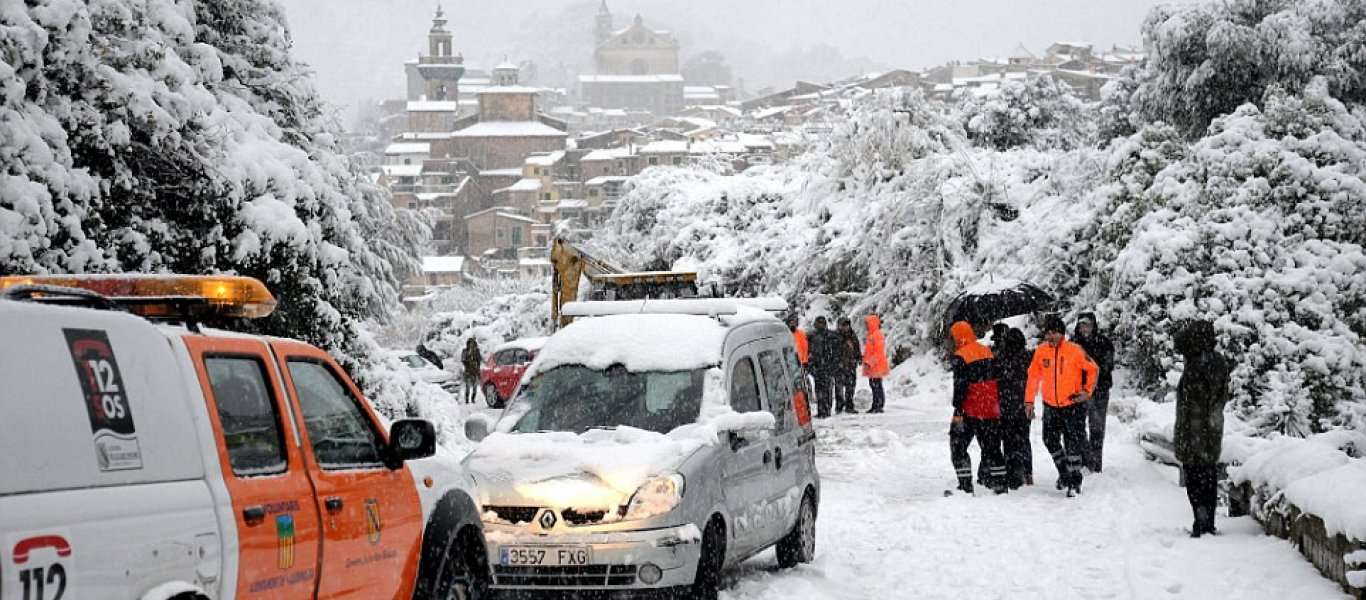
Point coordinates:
[(887, 531)]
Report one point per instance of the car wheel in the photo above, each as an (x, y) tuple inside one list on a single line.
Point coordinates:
[(466, 570), (707, 583), (491, 396), (799, 545)]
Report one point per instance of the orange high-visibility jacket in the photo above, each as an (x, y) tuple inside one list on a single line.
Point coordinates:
[(1060, 372), (803, 350), (875, 350)]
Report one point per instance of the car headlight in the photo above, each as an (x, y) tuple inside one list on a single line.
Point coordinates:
[(655, 497)]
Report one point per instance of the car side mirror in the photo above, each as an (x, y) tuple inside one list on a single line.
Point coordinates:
[(410, 439), (476, 428)]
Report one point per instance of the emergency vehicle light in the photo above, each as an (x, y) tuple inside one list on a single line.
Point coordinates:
[(166, 296)]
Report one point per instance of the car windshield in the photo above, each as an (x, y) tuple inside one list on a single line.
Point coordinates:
[(415, 361), (575, 399)]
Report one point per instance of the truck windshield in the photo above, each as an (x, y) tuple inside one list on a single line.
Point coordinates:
[(575, 399)]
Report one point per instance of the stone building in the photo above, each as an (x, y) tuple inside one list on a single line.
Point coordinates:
[(508, 127), (635, 68)]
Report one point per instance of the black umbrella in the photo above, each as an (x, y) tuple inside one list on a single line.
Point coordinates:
[(998, 302)]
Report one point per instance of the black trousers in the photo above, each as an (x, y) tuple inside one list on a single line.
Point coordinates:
[(1064, 434), (879, 398), (1019, 452), (988, 436), (1096, 410), (844, 392), (823, 392), (1202, 489)]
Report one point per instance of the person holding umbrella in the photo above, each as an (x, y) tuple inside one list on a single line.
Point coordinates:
[(1012, 375), (1066, 377), (976, 411)]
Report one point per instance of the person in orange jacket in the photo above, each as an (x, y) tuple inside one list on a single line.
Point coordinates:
[(875, 365), (1066, 376), (976, 410)]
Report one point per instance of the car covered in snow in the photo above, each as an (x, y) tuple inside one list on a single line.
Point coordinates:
[(428, 371), (652, 445), (148, 456), (504, 367)]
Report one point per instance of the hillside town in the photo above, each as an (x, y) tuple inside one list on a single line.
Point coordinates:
[(503, 166)]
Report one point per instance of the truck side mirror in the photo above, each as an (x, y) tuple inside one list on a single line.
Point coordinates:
[(410, 439)]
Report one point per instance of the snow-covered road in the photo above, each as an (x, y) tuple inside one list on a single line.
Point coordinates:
[(887, 531)]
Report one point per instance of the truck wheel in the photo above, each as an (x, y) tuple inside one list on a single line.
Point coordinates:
[(799, 545), (707, 583), (491, 396)]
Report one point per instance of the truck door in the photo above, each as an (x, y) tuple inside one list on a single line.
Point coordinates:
[(263, 468), (747, 458), (371, 515)]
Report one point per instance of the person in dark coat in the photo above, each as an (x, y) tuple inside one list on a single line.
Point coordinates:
[(1012, 374), (824, 345), (1199, 434), (1102, 352), (976, 410), (470, 359), (848, 358)]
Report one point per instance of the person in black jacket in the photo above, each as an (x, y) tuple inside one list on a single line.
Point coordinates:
[(848, 357), (824, 345), (1199, 432), (1102, 352), (1012, 374)]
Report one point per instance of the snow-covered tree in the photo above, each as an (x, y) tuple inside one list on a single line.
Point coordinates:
[(180, 136), (1206, 59), (1260, 228), (1041, 112)]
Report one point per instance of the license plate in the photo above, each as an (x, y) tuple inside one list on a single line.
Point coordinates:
[(551, 556)]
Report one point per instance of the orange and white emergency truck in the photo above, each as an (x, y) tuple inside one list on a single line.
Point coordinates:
[(143, 456)]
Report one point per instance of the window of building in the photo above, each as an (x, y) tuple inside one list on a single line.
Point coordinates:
[(678, 160), (654, 160), (517, 235), (499, 233), (545, 196)]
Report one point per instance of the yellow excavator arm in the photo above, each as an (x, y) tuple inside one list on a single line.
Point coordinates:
[(569, 263)]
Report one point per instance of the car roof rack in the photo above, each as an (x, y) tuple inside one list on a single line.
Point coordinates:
[(712, 307)]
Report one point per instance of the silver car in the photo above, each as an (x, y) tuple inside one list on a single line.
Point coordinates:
[(650, 451)]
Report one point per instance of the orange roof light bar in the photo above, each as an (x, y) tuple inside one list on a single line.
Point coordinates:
[(164, 296)]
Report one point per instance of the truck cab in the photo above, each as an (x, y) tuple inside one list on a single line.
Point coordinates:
[(150, 459)]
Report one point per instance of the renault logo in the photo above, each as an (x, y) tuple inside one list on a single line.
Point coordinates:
[(548, 519)]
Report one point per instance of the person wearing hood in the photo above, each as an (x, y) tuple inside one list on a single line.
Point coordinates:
[(1102, 352), (1201, 395), (848, 357), (976, 410), (875, 366), (1012, 375), (1066, 377), (470, 359), (824, 346)]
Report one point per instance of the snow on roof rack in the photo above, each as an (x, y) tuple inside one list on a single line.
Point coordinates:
[(691, 306)]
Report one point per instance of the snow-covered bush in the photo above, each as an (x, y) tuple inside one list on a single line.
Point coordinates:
[(500, 319), (1207, 58), (180, 136), (1260, 228), (1041, 113)]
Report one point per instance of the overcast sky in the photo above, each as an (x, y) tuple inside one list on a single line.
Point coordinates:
[(357, 47)]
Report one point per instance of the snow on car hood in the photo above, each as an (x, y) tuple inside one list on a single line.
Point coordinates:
[(596, 470)]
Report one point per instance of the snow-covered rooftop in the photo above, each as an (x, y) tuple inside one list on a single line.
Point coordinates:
[(408, 148), (662, 78), (432, 106), (545, 160), (665, 147), (402, 170), (528, 184), (443, 264), (509, 129), (510, 89), (605, 154)]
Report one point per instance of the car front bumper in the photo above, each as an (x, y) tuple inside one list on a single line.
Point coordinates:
[(618, 558)]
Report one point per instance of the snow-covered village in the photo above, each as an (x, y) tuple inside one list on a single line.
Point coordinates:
[(1042, 299)]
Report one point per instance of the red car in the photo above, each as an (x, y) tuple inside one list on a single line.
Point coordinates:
[(504, 367)]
